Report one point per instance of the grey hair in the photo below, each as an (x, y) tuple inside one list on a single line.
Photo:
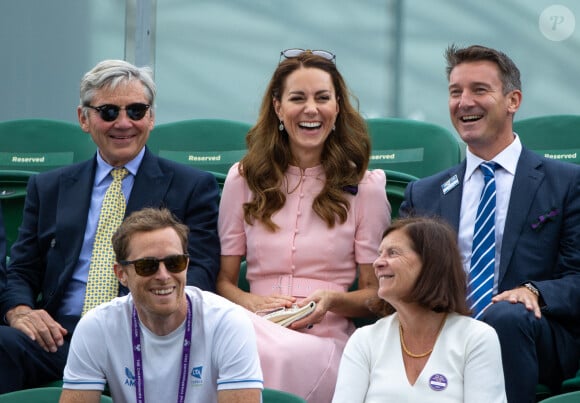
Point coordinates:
[(111, 73)]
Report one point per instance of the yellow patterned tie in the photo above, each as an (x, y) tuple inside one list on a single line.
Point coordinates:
[(102, 285)]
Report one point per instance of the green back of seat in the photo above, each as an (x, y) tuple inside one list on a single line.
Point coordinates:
[(208, 144), (41, 144), (412, 147), (243, 283), (571, 384), (12, 195), (572, 397), (220, 179), (278, 396), (556, 136), (396, 185), (39, 395)]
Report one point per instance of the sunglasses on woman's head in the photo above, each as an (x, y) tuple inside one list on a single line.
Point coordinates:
[(291, 53), (148, 266), (109, 112)]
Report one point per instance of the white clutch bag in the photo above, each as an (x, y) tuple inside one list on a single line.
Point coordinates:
[(286, 316)]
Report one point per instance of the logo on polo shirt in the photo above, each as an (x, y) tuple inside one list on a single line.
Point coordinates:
[(130, 379), (196, 373)]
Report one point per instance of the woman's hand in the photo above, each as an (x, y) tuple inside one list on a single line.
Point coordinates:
[(257, 303), (227, 287), (351, 304), (323, 299)]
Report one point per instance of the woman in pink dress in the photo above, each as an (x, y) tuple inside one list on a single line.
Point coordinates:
[(307, 215)]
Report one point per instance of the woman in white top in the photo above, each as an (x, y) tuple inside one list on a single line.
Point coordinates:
[(426, 348)]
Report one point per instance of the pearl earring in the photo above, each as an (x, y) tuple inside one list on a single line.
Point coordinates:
[(281, 126)]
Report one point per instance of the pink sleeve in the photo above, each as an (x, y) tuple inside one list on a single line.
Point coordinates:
[(231, 219), (373, 215)]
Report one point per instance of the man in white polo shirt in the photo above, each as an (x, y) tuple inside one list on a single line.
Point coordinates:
[(164, 341)]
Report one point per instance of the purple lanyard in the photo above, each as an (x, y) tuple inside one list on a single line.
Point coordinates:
[(138, 360)]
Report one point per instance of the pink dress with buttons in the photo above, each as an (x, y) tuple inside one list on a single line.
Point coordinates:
[(302, 256)]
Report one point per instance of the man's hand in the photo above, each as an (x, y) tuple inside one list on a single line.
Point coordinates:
[(521, 295), (38, 325)]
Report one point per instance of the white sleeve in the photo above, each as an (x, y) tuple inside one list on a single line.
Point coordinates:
[(483, 376), (354, 370), (236, 352), (86, 355)]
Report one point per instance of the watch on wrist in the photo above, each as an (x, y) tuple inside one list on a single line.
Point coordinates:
[(532, 288)]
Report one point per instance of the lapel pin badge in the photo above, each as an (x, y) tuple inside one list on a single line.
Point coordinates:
[(438, 382), (449, 184)]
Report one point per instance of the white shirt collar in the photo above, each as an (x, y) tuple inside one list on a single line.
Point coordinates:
[(507, 158)]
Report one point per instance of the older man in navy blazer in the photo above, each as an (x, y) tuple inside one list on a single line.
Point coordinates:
[(45, 283), (535, 307)]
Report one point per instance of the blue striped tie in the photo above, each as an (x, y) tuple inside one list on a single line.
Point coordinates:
[(482, 266)]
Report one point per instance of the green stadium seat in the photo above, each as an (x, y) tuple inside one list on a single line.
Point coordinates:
[(396, 185), (555, 136), (243, 283), (572, 397), (412, 147), (220, 178), (40, 144), (208, 144), (572, 384), (29, 146), (12, 195), (542, 392), (39, 395), (278, 396)]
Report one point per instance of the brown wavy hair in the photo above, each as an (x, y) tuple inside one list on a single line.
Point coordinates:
[(442, 284), (345, 156)]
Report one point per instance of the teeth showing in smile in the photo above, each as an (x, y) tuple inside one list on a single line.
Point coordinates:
[(310, 125), (471, 118), (163, 292)]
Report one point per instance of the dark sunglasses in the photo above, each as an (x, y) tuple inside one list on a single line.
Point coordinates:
[(290, 53), (148, 266), (110, 112)]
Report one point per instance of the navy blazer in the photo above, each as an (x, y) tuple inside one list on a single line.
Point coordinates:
[(43, 258), (548, 256)]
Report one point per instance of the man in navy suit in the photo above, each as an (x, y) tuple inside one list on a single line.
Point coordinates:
[(535, 307), (45, 283)]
